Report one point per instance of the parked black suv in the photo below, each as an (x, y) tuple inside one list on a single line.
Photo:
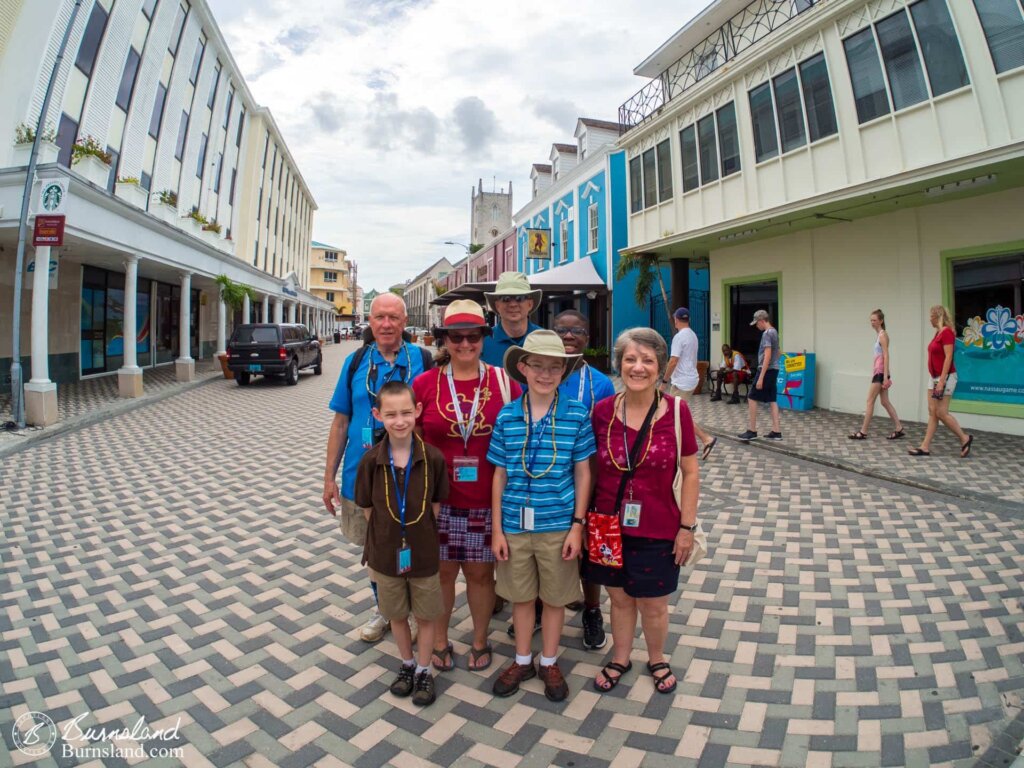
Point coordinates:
[(273, 349)]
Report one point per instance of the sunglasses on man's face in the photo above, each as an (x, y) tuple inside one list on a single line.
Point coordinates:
[(473, 337), (564, 330), (507, 299)]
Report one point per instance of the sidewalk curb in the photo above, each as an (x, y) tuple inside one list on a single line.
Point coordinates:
[(94, 417), (945, 490)]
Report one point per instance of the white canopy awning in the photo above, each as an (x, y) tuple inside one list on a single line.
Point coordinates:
[(579, 274)]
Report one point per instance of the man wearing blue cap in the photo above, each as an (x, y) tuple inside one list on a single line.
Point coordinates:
[(681, 374)]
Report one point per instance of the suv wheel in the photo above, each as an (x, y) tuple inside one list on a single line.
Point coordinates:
[(242, 379), (291, 375), (319, 367)]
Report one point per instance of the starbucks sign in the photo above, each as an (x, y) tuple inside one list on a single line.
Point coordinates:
[(52, 196)]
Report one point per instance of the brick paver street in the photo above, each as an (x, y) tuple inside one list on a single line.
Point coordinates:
[(175, 563)]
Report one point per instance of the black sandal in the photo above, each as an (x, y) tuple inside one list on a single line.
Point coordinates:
[(708, 449), (662, 665), (858, 435), (965, 449), (447, 653), (897, 434), (919, 452), (612, 681)]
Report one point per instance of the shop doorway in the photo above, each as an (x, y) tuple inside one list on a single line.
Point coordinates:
[(744, 300), (102, 331)]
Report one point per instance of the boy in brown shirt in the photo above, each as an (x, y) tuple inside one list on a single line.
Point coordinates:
[(400, 483)]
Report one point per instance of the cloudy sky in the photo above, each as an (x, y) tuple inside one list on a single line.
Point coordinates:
[(395, 108)]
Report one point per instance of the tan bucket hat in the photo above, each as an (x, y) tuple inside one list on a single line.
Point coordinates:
[(545, 344), (513, 284)]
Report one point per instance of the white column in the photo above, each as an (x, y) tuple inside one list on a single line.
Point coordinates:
[(129, 377), (266, 309), (222, 326), (185, 366), (40, 392), (278, 310), (246, 309), (291, 311)]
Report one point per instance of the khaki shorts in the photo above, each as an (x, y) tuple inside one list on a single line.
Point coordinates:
[(352, 522), (398, 596), (683, 394), (535, 567)]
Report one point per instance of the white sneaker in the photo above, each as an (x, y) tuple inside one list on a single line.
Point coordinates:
[(374, 629)]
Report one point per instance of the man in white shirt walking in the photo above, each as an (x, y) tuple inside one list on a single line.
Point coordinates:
[(681, 374)]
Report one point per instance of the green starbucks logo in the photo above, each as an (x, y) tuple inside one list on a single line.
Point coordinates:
[(53, 196)]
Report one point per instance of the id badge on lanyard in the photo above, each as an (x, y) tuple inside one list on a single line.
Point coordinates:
[(403, 558), (404, 562), (465, 469)]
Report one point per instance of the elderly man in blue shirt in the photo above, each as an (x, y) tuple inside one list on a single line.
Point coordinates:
[(354, 430), (513, 300)]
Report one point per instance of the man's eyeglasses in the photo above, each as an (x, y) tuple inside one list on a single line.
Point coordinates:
[(564, 330), (473, 337), (507, 299), (542, 369)]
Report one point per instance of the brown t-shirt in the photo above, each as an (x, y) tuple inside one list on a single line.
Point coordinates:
[(384, 533)]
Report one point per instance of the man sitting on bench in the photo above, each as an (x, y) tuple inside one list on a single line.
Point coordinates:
[(732, 370)]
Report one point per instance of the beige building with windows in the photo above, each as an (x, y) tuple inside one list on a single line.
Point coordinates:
[(332, 277), (188, 179), (827, 159)]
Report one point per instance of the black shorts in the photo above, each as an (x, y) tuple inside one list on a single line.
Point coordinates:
[(767, 393), (648, 568), (878, 378)]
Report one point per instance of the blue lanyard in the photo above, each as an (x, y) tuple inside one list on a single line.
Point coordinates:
[(400, 498), (535, 449), (373, 372)]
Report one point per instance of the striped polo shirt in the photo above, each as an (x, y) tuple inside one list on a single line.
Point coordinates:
[(552, 496)]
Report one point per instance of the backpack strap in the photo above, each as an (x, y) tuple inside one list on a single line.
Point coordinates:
[(428, 359), (357, 359), (503, 383), (679, 431)]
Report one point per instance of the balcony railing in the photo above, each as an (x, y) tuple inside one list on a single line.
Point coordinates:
[(748, 27)]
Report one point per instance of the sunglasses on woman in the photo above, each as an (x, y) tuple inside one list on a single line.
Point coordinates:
[(457, 337)]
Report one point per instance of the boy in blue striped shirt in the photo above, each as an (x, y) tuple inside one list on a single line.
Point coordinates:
[(540, 449)]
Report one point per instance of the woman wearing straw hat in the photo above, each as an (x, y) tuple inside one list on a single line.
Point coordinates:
[(513, 300), (461, 400)]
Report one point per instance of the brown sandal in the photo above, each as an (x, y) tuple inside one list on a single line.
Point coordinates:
[(858, 435), (474, 658), (446, 653)]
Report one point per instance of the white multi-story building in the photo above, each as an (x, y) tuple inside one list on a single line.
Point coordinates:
[(832, 157), (199, 183), (421, 290)]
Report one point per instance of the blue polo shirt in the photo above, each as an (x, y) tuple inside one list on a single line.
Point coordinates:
[(553, 496), (373, 372), (587, 385), (498, 343)]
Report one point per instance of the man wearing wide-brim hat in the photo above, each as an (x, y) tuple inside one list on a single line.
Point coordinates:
[(513, 300)]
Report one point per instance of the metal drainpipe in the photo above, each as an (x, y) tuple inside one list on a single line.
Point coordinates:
[(17, 395)]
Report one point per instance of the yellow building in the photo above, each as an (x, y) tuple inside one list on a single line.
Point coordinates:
[(332, 276)]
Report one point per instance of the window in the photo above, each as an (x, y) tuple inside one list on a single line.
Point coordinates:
[(691, 167), (636, 200), (213, 87), (762, 115), (176, 30), (592, 228), (330, 277), (91, 39), (728, 139), (329, 295), (231, 196), (197, 61), (202, 156), (707, 149), (1003, 22), (791, 116), (145, 181), (821, 114), (664, 153), (902, 63), (158, 111), (179, 147), (259, 206), (241, 125), (866, 76), (115, 156), (939, 46), (220, 168), (227, 109), (131, 69), (650, 178), (563, 231), (148, 6)]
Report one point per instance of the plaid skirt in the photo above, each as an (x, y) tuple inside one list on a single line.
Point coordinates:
[(465, 535)]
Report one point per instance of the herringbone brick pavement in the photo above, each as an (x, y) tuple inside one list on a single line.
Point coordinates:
[(175, 563)]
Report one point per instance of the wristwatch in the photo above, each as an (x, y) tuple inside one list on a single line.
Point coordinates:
[(579, 520), (690, 528)]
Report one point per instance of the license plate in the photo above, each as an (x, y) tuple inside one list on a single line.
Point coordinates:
[(255, 367)]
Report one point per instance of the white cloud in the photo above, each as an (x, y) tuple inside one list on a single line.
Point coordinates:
[(394, 108)]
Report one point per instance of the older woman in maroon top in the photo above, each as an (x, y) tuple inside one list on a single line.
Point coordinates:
[(637, 451)]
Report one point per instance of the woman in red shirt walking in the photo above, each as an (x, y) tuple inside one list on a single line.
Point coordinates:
[(942, 373), (461, 399)]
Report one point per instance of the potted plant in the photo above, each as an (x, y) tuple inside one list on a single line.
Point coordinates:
[(194, 221), (128, 188), (211, 232), (165, 204), (597, 357), (233, 295), (25, 135), (90, 160)]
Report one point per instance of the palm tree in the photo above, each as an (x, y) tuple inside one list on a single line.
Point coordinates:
[(648, 270)]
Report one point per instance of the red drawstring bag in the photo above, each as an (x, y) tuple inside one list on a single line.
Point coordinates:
[(604, 539)]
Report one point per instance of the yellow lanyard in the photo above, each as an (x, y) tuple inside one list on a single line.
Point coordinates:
[(426, 486)]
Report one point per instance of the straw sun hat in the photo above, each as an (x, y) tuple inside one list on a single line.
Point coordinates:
[(542, 344), (513, 284)]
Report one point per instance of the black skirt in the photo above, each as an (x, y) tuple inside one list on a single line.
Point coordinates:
[(648, 568)]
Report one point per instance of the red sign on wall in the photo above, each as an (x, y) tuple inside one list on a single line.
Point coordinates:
[(49, 230)]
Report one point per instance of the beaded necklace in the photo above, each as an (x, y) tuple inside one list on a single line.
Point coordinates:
[(554, 444), (426, 485), (650, 434)]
